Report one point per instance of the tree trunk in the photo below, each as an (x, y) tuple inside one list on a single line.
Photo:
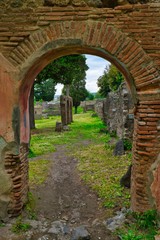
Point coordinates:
[(67, 90), (31, 108), (75, 109)]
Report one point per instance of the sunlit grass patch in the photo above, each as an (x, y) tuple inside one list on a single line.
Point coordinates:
[(38, 171), (102, 171), (44, 139)]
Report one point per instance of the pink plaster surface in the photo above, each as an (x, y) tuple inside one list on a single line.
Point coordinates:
[(8, 99)]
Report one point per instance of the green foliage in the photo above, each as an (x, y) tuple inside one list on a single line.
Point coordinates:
[(131, 235), (2, 224), (90, 96), (103, 84), (45, 90), (115, 77), (79, 110), (127, 144), (113, 134), (99, 96), (31, 153), (19, 226), (148, 219), (63, 70), (78, 92), (144, 226), (109, 81)]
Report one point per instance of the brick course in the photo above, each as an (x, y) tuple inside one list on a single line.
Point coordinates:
[(128, 36)]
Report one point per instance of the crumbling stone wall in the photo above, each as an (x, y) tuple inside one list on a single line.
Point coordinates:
[(118, 112), (64, 3)]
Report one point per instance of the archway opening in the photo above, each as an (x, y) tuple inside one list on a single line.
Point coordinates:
[(69, 187)]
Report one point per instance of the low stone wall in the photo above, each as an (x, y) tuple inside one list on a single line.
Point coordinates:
[(88, 105)]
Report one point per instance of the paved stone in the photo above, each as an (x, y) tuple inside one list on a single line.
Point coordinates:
[(80, 233)]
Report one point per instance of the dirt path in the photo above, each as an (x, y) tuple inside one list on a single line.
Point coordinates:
[(65, 207)]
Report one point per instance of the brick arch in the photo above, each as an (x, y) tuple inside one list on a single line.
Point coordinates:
[(101, 38), (104, 40)]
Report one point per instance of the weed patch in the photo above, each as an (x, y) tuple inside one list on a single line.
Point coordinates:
[(143, 226), (19, 226), (102, 171)]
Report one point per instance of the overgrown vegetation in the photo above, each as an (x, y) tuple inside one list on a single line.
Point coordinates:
[(102, 171), (19, 226), (143, 226), (127, 144)]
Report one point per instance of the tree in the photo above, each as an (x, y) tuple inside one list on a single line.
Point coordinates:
[(90, 96), (115, 77), (64, 70), (103, 84), (110, 80), (78, 92), (44, 90)]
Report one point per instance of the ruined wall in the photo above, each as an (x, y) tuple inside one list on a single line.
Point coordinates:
[(118, 112), (63, 3)]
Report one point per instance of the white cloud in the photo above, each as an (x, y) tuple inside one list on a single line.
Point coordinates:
[(96, 68)]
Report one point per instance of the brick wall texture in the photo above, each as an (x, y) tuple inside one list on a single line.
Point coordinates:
[(32, 35)]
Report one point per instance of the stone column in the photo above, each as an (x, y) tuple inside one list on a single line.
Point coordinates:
[(145, 190), (63, 104)]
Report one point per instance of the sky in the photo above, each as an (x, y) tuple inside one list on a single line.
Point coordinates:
[(96, 68)]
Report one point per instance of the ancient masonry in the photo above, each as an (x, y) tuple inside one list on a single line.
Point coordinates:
[(118, 112), (32, 34)]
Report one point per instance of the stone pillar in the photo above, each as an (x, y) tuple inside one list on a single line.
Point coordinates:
[(145, 189), (66, 110), (69, 110), (63, 105), (71, 107)]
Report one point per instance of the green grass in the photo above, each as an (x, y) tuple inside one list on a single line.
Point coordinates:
[(144, 226), (44, 139), (102, 171), (97, 165), (19, 226), (38, 171)]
